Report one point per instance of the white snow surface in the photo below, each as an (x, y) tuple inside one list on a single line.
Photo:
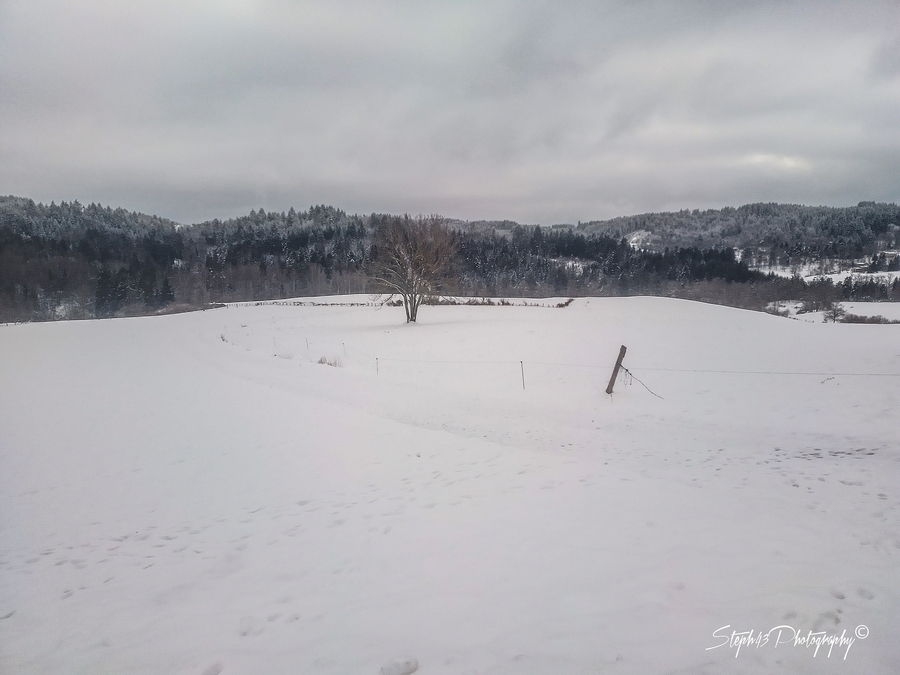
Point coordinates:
[(195, 494), (825, 270), (889, 310), (886, 310)]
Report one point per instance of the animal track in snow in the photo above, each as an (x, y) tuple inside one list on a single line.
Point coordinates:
[(249, 626), (404, 667)]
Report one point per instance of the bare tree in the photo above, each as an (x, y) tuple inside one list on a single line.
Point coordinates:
[(834, 312), (413, 258)]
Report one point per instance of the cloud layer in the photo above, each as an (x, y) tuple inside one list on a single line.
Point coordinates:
[(534, 111)]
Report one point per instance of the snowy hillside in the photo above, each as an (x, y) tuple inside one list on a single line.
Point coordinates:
[(196, 494)]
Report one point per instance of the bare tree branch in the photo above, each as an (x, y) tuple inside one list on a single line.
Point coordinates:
[(413, 258)]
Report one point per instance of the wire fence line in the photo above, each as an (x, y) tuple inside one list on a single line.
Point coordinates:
[(345, 348), (768, 372), (626, 376), (522, 362), (607, 366), (630, 376)]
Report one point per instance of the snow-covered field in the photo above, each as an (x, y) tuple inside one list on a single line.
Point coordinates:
[(886, 310), (809, 272), (195, 494), (889, 310)]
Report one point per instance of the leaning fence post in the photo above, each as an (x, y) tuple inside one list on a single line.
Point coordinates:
[(615, 372)]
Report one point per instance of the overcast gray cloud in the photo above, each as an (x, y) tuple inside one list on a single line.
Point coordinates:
[(541, 112)]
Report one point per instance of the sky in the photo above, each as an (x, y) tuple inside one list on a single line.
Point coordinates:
[(538, 112)]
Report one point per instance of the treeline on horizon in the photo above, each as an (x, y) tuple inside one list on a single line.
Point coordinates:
[(768, 233), (72, 261)]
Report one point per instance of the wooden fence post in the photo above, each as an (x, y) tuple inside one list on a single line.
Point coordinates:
[(615, 372)]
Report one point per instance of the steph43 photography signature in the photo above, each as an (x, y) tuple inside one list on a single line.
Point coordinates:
[(785, 635)]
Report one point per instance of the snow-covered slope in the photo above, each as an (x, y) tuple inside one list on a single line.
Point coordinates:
[(196, 494)]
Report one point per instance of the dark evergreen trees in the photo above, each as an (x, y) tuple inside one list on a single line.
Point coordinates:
[(69, 260)]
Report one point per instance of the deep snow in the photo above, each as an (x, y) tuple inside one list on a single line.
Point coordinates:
[(195, 494)]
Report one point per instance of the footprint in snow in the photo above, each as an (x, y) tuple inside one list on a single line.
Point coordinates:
[(826, 618), (249, 626), (404, 667)]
